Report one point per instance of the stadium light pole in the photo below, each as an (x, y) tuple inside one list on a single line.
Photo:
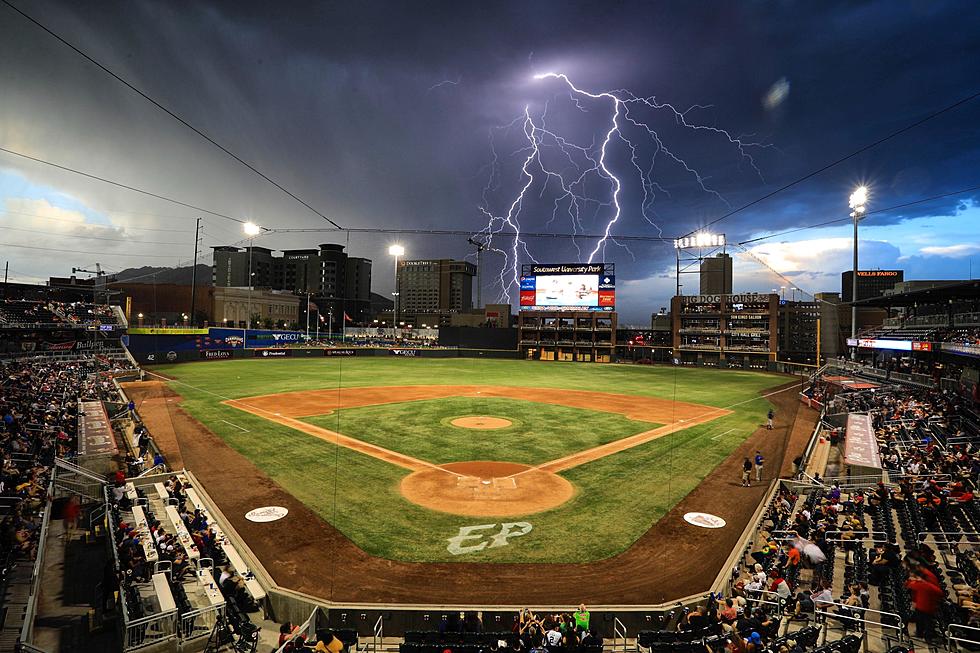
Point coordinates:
[(396, 251), (251, 230), (858, 202)]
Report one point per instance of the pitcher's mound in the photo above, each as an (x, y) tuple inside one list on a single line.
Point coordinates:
[(486, 489), (481, 422)]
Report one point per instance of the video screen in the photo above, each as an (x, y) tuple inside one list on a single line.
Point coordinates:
[(567, 290), (569, 287)]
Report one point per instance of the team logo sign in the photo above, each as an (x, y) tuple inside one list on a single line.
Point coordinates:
[(471, 539), (704, 520), (267, 514)]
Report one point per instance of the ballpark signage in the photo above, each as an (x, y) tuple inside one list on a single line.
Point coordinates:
[(569, 287), (879, 273), (472, 539), (267, 514), (860, 443), (404, 352), (704, 520), (743, 298), (339, 352), (272, 353), (216, 354)]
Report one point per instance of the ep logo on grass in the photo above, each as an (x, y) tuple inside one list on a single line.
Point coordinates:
[(477, 541)]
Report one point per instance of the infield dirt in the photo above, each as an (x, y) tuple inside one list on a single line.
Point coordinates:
[(305, 553)]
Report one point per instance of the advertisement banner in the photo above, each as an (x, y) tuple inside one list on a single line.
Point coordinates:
[(216, 354), (272, 353), (339, 352), (962, 348), (409, 353)]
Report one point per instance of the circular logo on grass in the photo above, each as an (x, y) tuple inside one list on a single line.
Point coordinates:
[(269, 513), (704, 520)]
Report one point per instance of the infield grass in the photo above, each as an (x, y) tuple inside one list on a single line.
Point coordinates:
[(538, 432), (618, 497)]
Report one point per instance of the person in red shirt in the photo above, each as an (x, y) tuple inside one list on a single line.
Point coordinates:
[(926, 597)]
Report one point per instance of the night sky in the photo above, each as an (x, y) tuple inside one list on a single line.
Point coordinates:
[(383, 114)]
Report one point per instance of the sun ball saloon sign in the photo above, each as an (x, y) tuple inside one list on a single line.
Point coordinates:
[(266, 514)]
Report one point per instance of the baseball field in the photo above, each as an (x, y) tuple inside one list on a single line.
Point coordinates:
[(470, 460)]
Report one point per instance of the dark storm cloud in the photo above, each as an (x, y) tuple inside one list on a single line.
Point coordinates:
[(336, 101)]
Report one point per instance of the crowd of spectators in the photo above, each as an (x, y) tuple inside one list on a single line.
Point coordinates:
[(38, 421), (904, 546)]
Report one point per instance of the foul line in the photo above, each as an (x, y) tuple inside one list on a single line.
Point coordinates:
[(235, 425)]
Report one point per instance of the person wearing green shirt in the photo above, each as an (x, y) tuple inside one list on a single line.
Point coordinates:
[(581, 618)]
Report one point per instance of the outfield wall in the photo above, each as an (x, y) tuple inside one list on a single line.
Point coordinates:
[(158, 357)]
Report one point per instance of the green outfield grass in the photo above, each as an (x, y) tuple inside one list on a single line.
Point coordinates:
[(619, 496), (539, 433)]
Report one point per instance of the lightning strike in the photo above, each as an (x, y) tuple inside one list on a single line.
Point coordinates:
[(566, 172)]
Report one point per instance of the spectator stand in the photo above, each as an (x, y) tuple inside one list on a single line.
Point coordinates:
[(169, 564)]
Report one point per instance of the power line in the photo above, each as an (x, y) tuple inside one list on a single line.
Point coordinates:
[(168, 111), (90, 224), (885, 210), (119, 184), (76, 251), (459, 232), (838, 161), (68, 235)]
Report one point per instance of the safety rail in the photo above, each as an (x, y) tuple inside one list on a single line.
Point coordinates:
[(377, 633), (953, 634), (30, 611), (200, 622), (75, 469), (156, 469), (945, 535), (149, 630), (893, 624), (876, 537), (619, 635)]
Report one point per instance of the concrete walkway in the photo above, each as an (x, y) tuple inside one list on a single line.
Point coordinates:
[(69, 589)]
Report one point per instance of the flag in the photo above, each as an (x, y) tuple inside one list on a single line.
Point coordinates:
[(347, 318)]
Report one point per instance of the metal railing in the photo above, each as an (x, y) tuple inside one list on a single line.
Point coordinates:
[(149, 630), (619, 635), (960, 633), (377, 633), (894, 625), (30, 611), (200, 622), (943, 537)]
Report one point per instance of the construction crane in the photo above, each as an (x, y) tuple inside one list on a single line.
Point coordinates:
[(479, 269)]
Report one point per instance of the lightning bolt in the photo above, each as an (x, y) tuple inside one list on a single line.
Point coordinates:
[(571, 175)]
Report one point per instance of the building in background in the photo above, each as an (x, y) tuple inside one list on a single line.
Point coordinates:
[(720, 330), (835, 324), (165, 303), (337, 283), (716, 275), (871, 283), (433, 290), (584, 336), (269, 308), (797, 331)]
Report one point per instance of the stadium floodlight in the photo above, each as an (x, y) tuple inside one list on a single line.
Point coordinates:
[(701, 239), (858, 202), (396, 251), (251, 229)]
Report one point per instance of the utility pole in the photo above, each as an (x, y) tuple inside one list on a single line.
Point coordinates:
[(6, 269), (197, 228)]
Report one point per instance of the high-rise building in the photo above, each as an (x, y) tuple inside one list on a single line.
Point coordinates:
[(435, 286), (716, 275), (338, 283), (871, 283)]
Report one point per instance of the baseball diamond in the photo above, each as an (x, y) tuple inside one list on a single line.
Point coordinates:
[(390, 462)]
